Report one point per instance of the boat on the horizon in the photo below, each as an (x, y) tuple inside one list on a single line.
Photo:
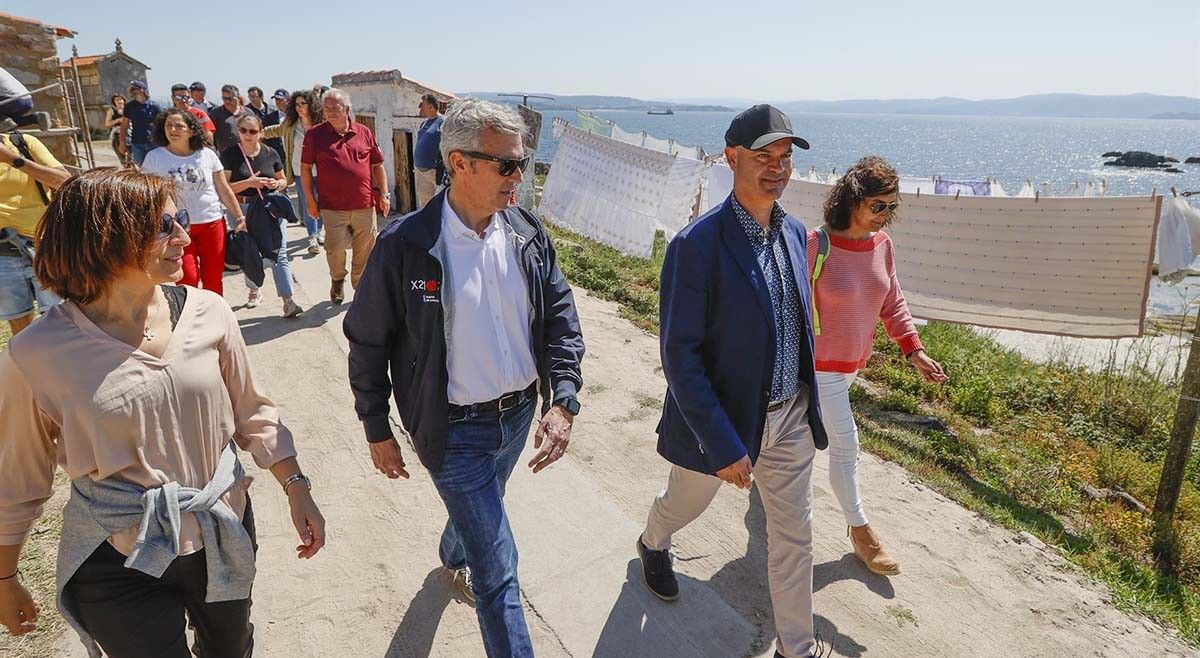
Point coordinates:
[(664, 110)]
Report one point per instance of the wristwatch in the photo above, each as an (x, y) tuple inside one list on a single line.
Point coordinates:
[(18, 162), (299, 477), (570, 404)]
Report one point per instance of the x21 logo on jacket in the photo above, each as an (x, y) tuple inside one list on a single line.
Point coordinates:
[(428, 289)]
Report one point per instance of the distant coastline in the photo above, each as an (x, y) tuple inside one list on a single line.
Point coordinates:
[(1078, 106)]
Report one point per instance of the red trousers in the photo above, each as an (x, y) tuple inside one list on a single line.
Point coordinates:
[(204, 258)]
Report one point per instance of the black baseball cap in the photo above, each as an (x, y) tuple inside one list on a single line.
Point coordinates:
[(138, 84), (281, 94), (761, 125), (198, 86)]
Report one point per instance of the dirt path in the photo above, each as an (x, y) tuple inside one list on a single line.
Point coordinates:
[(969, 588)]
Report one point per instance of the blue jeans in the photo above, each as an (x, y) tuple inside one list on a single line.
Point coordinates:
[(19, 288), (139, 151), (312, 224), (281, 269), (482, 449)]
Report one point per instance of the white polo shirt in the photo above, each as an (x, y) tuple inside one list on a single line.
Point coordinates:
[(488, 335)]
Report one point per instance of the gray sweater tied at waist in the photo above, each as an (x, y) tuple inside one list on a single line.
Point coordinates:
[(98, 509)]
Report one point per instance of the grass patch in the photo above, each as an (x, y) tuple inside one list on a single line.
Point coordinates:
[(1029, 437)]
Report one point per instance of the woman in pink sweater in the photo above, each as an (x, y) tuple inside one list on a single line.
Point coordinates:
[(856, 287)]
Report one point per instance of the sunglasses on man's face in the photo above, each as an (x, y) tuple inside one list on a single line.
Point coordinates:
[(169, 221), (229, 98), (507, 165), (182, 98), (880, 206), (248, 131)]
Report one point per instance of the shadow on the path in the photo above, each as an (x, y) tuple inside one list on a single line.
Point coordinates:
[(414, 636), (640, 624), (850, 567), (263, 329)]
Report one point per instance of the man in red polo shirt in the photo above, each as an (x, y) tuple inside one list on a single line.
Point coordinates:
[(351, 185)]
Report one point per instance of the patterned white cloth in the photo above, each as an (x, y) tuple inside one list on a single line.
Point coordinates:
[(1070, 266), (617, 193)]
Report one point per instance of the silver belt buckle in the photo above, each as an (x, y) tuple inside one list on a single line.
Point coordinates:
[(504, 407)]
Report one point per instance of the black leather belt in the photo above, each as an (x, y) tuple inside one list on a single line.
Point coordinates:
[(502, 403)]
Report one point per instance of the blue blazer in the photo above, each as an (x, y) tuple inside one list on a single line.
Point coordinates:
[(717, 338)]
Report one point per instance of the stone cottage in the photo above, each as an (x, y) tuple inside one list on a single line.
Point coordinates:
[(386, 102), (101, 76)]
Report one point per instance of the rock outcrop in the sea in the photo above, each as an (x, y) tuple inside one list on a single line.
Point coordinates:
[(1113, 154), (1143, 160), (1192, 160)]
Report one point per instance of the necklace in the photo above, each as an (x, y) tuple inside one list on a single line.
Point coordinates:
[(146, 331)]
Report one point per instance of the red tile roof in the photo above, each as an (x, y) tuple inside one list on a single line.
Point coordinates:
[(83, 61), (58, 31)]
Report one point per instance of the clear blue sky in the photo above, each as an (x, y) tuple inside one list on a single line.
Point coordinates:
[(770, 50)]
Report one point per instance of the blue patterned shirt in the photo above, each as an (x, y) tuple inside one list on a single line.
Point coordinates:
[(771, 253)]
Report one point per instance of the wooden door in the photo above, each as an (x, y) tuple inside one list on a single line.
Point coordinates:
[(367, 120), (406, 187)]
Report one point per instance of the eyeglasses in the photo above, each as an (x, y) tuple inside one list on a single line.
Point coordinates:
[(182, 98), (879, 206), (228, 98), (300, 103), (507, 165), (169, 221), (248, 131)]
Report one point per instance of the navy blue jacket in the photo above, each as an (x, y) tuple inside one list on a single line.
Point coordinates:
[(397, 327), (717, 338)]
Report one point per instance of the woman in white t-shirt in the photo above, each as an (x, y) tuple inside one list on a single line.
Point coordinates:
[(201, 188)]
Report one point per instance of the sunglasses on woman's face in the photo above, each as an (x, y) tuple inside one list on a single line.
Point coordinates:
[(248, 131), (169, 221), (507, 165), (880, 206)]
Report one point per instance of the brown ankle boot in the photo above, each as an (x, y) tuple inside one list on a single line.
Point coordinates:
[(871, 552)]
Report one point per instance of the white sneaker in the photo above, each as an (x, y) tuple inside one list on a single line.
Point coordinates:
[(321, 237), (253, 299), (313, 247), (291, 309)]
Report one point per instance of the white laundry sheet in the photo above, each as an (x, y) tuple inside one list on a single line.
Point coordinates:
[(617, 193), (1178, 241), (1074, 266)]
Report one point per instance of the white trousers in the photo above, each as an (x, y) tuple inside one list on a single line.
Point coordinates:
[(783, 475), (834, 390)]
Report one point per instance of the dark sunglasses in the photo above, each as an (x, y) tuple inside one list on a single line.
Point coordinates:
[(229, 98), (179, 97), (169, 221), (880, 206), (248, 131), (507, 165)]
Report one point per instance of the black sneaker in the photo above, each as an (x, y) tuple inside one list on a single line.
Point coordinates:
[(658, 572)]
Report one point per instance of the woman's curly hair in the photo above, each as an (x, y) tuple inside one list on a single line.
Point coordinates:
[(870, 176)]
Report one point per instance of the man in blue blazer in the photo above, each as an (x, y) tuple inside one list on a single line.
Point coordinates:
[(737, 352)]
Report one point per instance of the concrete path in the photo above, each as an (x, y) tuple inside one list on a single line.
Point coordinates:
[(968, 588)]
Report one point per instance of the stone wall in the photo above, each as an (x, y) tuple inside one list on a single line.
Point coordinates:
[(31, 56)]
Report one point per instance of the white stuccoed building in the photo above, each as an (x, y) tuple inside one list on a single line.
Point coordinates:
[(386, 102)]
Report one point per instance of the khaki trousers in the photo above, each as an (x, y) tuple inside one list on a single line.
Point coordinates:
[(426, 185), (348, 228), (783, 475)]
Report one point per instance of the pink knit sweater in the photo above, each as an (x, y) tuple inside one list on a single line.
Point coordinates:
[(857, 287)]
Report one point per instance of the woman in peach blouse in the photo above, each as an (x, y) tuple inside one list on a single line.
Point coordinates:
[(142, 392)]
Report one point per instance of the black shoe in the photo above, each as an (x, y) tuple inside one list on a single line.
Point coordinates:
[(658, 573)]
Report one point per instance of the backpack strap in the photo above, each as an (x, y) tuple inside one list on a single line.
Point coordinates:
[(818, 265), (18, 140)]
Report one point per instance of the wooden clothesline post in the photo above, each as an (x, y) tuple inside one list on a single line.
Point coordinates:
[(1164, 545)]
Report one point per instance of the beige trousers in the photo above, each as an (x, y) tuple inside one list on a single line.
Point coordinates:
[(348, 229), (783, 475), (426, 185)]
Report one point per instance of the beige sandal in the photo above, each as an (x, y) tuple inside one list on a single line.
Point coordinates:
[(873, 555)]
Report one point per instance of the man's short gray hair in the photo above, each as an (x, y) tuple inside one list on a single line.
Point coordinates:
[(340, 96), (467, 118)]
